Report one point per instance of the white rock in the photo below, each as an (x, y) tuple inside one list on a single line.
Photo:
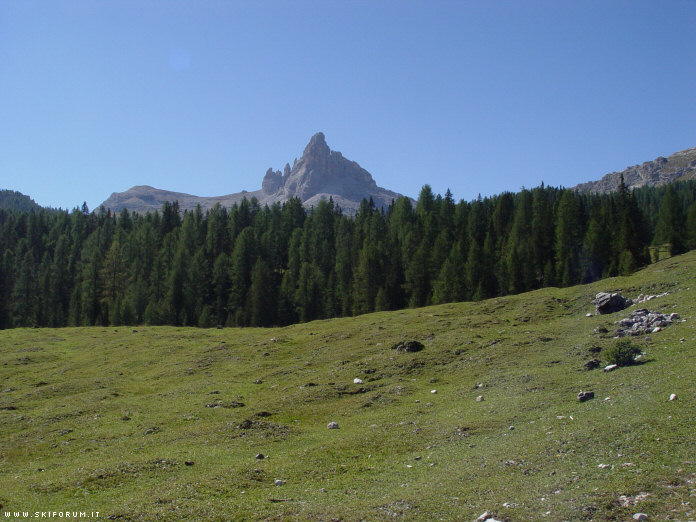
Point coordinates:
[(656, 329), (603, 466), (673, 397), (433, 391), (357, 381), (279, 482), (483, 517), (588, 314), (640, 516), (611, 367), (332, 425), (479, 398)]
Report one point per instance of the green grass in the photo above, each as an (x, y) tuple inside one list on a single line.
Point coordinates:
[(106, 418)]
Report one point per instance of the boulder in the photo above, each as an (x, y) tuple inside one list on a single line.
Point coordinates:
[(607, 303), (592, 364), (408, 346), (585, 396)]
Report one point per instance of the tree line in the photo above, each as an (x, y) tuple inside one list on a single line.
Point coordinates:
[(275, 265)]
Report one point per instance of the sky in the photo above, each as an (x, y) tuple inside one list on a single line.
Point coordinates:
[(203, 96)]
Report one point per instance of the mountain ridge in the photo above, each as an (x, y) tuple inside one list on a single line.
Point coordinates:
[(680, 166), (320, 174)]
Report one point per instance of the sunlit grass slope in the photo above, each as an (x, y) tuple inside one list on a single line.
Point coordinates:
[(166, 423)]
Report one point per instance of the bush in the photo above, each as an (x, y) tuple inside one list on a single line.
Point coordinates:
[(622, 353)]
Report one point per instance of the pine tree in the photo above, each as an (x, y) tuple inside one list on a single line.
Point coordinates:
[(670, 223), (241, 264), (114, 273), (690, 228), (262, 296), (568, 236), (25, 295)]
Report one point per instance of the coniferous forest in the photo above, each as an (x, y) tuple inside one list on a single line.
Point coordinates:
[(253, 266)]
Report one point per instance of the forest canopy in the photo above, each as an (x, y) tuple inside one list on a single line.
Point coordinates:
[(253, 266)]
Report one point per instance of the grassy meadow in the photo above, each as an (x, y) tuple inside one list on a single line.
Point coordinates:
[(166, 423)]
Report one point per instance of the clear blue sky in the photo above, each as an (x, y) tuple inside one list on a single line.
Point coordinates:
[(203, 96)]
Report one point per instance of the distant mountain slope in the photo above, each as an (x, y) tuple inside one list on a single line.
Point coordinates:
[(319, 174), (679, 166), (13, 200)]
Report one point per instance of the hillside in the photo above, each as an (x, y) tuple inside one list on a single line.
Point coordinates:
[(162, 422), (680, 166), (13, 200), (319, 174)]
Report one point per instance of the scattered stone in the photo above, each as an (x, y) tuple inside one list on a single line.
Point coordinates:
[(152, 430), (511, 428), (604, 466), (408, 346), (611, 367), (433, 391), (188, 463), (222, 404), (627, 501), (483, 517), (592, 364), (479, 398), (606, 303), (332, 425), (642, 298), (588, 314), (673, 397), (279, 482), (357, 381), (585, 396), (323, 490), (258, 381), (600, 330), (640, 516), (260, 456)]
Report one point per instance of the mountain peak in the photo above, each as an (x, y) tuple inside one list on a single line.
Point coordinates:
[(318, 175), (317, 146)]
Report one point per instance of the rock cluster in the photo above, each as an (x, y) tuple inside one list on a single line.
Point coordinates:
[(606, 303), (643, 321)]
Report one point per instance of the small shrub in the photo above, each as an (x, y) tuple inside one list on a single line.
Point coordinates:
[(622, 353)]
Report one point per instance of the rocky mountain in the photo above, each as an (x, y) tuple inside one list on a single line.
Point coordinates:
[(679, 166), (319, 174)]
